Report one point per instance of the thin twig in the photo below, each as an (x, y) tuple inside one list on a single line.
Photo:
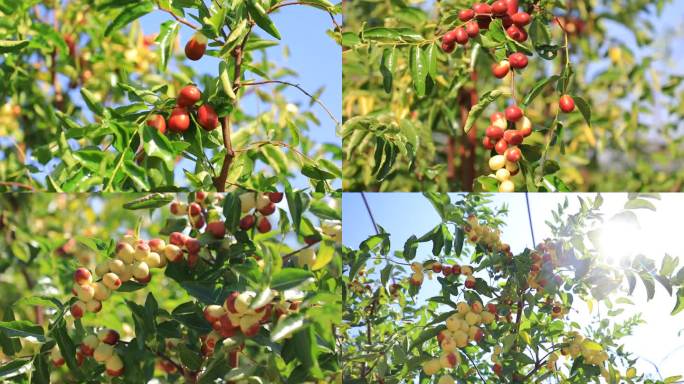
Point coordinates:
[(178, 18), (332, 17), (529, 218), (315, 99), (474, 366), (365, 202), (17, 184), (286, 256)]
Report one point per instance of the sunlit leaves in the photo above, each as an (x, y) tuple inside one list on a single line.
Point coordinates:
[(128, 14), (12, 45), (168, 31), (261, 18)]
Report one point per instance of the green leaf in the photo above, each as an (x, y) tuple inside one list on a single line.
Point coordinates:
[(307, 350), (538, 87), (680, 302), (261, 18), (289, 278), (668, 266), (226, 83), (418, 69), (314, 172), (158, 145), (128, 14), (639, 204), (287, 326), (649, 284), (8, 46), (584, 108), (91, 101), (168, 31), (478, 108), (154, 200), (665, 282), (410, 248), (22, 328), (431, 58), (15, 368), (389, 60), (381, 34)]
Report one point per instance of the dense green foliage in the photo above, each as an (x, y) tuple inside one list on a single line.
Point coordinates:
[(408, 105), (294, 268)]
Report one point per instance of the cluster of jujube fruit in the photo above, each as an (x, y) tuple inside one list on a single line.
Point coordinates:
[(508, 129), (179, 119), (101, 347), (238, 315), (134, 257), (462, 329), (480, 16), (133, 260), (257, 207)]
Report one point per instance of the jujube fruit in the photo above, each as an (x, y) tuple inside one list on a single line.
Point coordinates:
[(513, 154), (188, 96), (521, 19), (472, 29), (501, 146), (518, 60), (494, 132), (513, 113), (207, 118), (499, 7), (466, 14), (461, 36), (566, 103), (501, 69), (513, 137), (157, 121), (195, 47), (179, 121)]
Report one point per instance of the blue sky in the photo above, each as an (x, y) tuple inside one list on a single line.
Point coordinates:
[(405, 214)]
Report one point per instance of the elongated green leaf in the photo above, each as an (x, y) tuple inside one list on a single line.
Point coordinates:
[(431, 58), (418, 70), (166, 38), (584, 108), (91, 101), (128, 14), (7, 46), (153, 200), (381, 34), (639, 204), (478, 108), (538, 87), (261, 18), (286, 327), (680, 302), (289, 278), (226, 83), (389, 60), (22, 328)]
